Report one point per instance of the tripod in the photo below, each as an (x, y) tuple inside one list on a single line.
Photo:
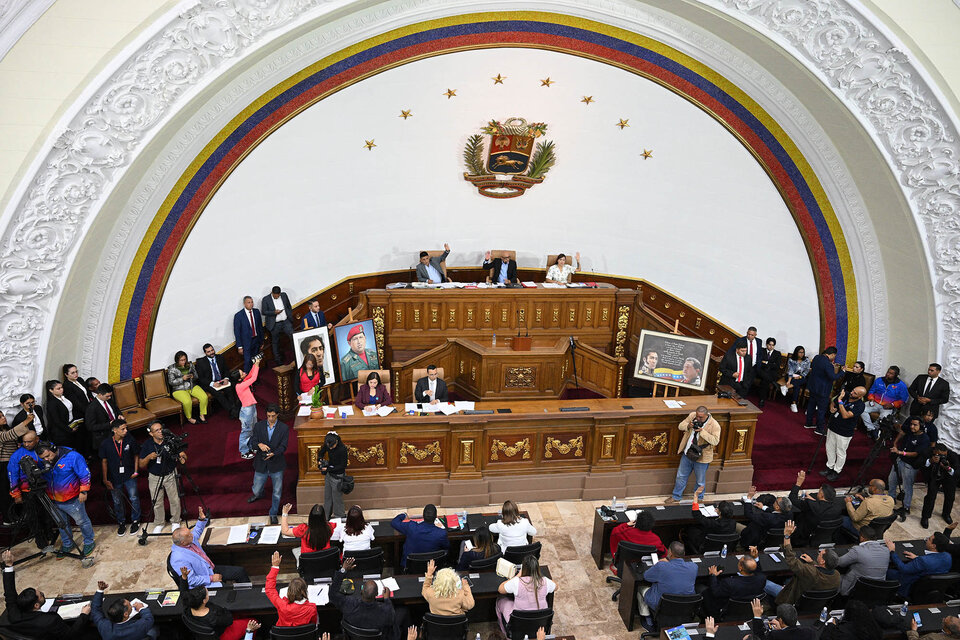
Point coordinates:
[(176, 471), (36, 502), (882, 443)]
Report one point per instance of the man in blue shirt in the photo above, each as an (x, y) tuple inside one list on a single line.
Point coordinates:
[(503, 270), (186, 552), (935, 561), (672, 575), (421, 536), (122, 620), (887, 395)]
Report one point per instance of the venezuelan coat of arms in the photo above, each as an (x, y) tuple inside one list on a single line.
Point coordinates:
[(510, 160)]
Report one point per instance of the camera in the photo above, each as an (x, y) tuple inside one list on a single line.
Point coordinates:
[(34, 471), (173, 445)]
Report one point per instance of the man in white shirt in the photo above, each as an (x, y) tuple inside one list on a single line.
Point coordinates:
[(431, 389)]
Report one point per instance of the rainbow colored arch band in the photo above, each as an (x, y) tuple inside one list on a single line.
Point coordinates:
[(782, 160)]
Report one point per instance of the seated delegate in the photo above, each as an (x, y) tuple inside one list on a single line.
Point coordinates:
[(203, 617), (447, 593), (560, 272), (431, 388), (512, 528), (314, 535), (482, 546), (373, 393), (293, 609), (422, 537), (182, 377), (529, 592), (356, 534), (431, 269), (502, 270)]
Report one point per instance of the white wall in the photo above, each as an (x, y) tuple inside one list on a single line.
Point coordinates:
[(311, 205)]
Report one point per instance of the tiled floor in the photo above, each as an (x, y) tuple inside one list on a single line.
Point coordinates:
[(582, 602)]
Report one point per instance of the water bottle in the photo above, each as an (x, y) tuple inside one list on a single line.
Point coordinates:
[(723, 552), (494, 339), (903, 609), (823, 616), (478, 636)]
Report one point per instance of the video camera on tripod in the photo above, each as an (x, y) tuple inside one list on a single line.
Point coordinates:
[(173, 444), (34, 470)]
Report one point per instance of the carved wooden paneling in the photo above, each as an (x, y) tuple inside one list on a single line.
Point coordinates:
[(648, 443), (562, 446), (364, 454), (420, 452), (500, 450)]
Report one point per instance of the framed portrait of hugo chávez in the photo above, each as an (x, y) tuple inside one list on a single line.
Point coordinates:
[(315, 342), (356, 348), (673, 359)]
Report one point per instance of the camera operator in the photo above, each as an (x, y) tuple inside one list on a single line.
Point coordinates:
[(333, 468), (68, 482), (36, 518), (942, 467), (701, 432), (24, 616), (160, 460), (910, 450)]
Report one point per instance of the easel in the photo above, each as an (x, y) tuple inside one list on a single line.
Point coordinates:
[(662, 389)]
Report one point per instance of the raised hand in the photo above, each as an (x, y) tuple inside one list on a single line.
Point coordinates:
[(710, 624), (788, 528), (349, 563), (801, 476), (286, 509), (7, 557), (275, 559), (431, 567), (253, 625), (101, 585), (757, 607)]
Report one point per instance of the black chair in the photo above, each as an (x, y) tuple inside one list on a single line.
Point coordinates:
[(436, 627), (933, 589), (741, 608), (675, 610), (880, 525), (351, 632), (823, 534), (873, 592), (173, 574), (486, 564), (815, 600), (628, 553), (301, 632), (774, 538), (516, 555), (198, 631), (524, 624), (369, 561), (7, 634), (715, 541), (319, 564), (417, 562)]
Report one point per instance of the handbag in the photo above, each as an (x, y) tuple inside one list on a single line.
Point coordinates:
[(346, 484), (695, 450)]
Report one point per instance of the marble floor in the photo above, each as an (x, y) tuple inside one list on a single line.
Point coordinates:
[(583, 607)]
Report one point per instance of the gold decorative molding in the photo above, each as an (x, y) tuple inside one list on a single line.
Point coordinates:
[(461, 367), (741, 441), (556, 314), (539, 315), (420, 454), (574, 444), (697, 325), (588, 314), (452, 316), (379, 314), (638, 441), (433, 315), (605, 314), (573, 314), (313, 454), (623, 320), (522, 315), (503, 315), (416, 315), (473, 373), (486, 316), (606, 448), (364, 456), (620, 381), (466, 452), (510, 451), (563, 369), (350, 288), (524, 377), (469, 315), (398, 315), (334, 297)]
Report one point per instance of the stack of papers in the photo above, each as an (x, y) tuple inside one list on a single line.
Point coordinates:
[(318, 594), (672, 404), (239, 533), (388, 583), (464, 405), (269, 535), (709, 511), (448, 409), (631, 514), (71, 611)]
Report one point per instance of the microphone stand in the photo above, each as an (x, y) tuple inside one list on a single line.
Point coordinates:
[(573, 355)]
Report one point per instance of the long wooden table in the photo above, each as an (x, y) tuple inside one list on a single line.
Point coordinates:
[(614, 446)]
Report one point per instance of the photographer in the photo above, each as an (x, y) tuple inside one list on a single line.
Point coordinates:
[(68, 483), (333, 468), (160, 459), (37, 520), (701, 434), (910, 450), (942, 467)]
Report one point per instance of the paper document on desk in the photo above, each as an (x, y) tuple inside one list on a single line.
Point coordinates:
[(347, 409), (552, 285), (464, 405), (631, 514), (306, 398), (269, 535), (672, 404), (448, 409), (529, 284), (46, 605), (71, 611), (304, 410), (318, 594), (709, 512), (385, 410), (370, 410), (238, 533)]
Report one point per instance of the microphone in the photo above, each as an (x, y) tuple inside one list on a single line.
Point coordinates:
[(572, 345)]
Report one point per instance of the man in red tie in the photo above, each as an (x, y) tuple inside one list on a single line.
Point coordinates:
[(248, 332), (187, 553), (736, 371), (100, 413)]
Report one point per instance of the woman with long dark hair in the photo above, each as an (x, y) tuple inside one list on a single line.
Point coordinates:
[(373, 393), (356, 534), (798, 366), (333, 468), (314, 534), (482, 546), (62, 420), (310, 374), (182, 378), (529, 591)]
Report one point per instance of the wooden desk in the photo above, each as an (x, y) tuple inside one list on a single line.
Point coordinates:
[(636, 439)]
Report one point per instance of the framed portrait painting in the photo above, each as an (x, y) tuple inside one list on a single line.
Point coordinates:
[(673, 359), (316, 342), (356, 348)]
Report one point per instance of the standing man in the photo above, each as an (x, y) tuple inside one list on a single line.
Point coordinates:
[(928, 392), (843, 422), (769, 369), (702, 428), (359, 357), (9, 440), (943, 465), (213, 377), (68, 483), (314, 317), (269, 442), (187, 553), (162, 473), (887, 394), (119, 459), (100, 414), (754, 351), (277, 318), (503, 270), (122, 619), (911, 451), (430, 269), (20, 489), (823, 373), (735, 370), (248, 331), (431, 389)]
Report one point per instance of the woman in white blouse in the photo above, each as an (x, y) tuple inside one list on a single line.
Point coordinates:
[(561, 272), (61, 416), (512, 528), (356, 534)]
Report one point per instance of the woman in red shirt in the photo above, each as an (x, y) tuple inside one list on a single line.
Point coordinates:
[(314, 535), (310, 373), (640, 532), (294, 609)]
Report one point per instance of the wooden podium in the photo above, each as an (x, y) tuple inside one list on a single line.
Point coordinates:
[(522, 343)]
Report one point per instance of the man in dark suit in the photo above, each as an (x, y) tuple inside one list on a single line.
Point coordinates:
[(747, 583), (431, 269), (122, 619), (277, 319), (269, 441), (768, 371), (431, 389), (24, 616), (502, 269), (761, 520), (783, 627), (213, 376), (754, 347), (928, 392), (314, 317), (248, 332), (823, 373), (814, 508), (735, 370), (101, 412), (30, 407)]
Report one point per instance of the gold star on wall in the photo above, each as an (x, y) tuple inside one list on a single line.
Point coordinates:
[(450, 93), (499, 79), (369, 145), (547, 82), (587, 99), (405, 113), (647, 153), (623, 123)]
